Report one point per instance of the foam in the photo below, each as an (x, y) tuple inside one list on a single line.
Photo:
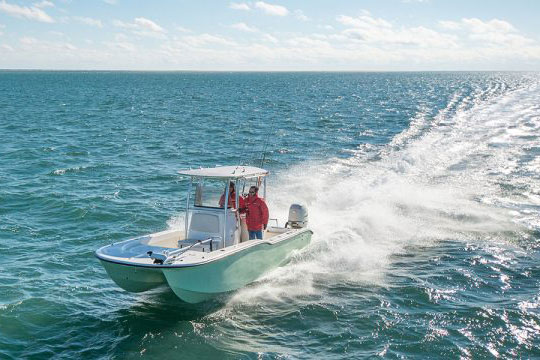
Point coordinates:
[(441, 179), (431, 183)]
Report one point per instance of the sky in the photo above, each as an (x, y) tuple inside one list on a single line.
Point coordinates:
[(296, 35)]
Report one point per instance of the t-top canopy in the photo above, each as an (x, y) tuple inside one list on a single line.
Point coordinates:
[(226, 172)]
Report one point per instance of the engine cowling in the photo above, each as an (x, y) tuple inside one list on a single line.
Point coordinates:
[(298, 216)]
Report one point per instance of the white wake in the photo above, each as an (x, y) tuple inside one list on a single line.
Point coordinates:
[(443, 178)]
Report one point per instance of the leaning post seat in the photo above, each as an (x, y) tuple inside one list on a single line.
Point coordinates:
[(207, 223)]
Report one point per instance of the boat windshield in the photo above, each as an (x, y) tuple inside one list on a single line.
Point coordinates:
[(208, 193)]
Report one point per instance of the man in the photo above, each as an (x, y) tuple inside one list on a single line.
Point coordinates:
[(257, 214)]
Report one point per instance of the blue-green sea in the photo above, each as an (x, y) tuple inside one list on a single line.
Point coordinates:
[(423, 192)]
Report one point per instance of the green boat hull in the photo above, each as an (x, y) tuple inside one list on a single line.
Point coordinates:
[(198, 283), (134, 278)]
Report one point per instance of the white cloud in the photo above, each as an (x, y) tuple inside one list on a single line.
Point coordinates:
[(142, 27), (360, 42), (148, 25), (494, 31), (206, 39), (121, 45), (379, 32), (32, 44), (299, 14), (7, 47), (120, 37), (88, 21), (110, 2), (44, 4), (244, 27), (121, 42), (494, 25), (31, 13), (27, 40), (270, 38), (365, 21), (56, 33), (124, 25), (239, 6), (325, 27), (182, 29), (270, 9), (449, 25)]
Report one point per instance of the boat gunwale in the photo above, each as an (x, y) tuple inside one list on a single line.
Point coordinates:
[(271, 241)]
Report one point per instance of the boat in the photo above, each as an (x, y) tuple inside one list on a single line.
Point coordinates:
[(211, 255)]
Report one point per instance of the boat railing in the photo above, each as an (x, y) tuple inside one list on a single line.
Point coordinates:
[(166, 257)]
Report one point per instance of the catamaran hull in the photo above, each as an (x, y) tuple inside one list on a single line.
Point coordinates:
[(202, 282), (134, 278)]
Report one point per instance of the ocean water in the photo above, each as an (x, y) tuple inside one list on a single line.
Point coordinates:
[(423, 191)]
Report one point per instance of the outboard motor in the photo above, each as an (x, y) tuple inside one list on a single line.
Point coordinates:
[(298, 216)]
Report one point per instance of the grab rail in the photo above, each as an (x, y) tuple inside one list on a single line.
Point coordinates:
[(168, 256)]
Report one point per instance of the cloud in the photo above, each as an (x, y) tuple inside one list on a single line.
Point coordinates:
[(299, 14), (494, 31), (270, 38), (365, 21), (182, 29), (7, 47), (244, 27), (207, 39), (43, 4), (239, 6), (31, 13), (32, 44), (56, 33), (121, 45), (494, 25), (142, 27), (270, 9), (88, 21), (121, 42), (449, 25), (148, 25), (379, 32), (361, 42), (325, 27)]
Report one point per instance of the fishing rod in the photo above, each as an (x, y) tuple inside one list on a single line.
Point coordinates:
[(264, 150)]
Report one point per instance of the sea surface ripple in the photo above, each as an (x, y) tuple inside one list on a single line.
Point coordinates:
[(423, 191)]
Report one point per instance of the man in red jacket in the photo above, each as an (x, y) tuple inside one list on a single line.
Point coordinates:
[(257, 214)]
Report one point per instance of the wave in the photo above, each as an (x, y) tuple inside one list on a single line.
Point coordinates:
[(471, 173)]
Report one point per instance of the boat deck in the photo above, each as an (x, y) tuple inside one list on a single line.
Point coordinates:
[(171, 242)]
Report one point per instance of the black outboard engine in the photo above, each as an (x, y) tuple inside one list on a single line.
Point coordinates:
[(298, 216)]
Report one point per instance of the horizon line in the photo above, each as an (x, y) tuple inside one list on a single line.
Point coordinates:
[(249, 71)]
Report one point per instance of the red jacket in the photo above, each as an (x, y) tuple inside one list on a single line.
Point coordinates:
[(257, 213), (232, 200)]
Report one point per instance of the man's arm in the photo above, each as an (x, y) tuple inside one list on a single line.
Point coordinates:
[(265, 214)]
